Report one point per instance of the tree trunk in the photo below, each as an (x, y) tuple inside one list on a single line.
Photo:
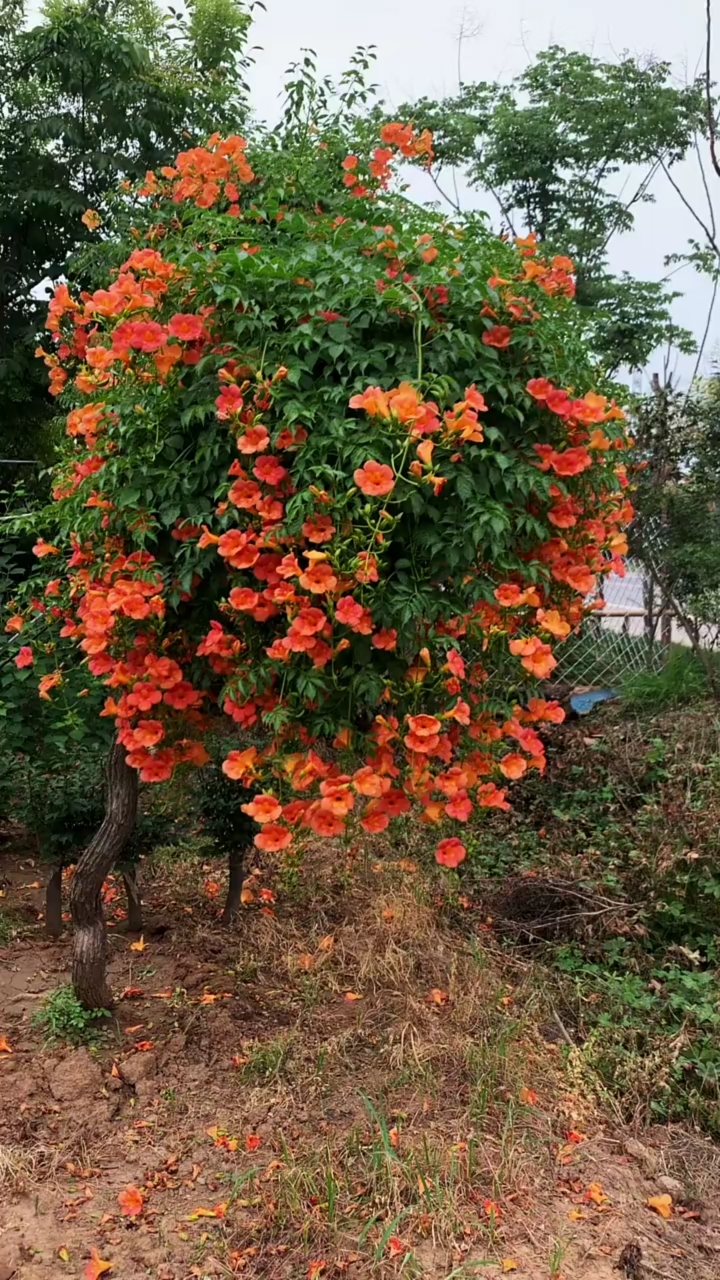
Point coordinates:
[(134, 900), (53, 904), (232, 902), (90, 941)]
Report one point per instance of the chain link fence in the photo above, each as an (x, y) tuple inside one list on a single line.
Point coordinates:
[(629, 633)]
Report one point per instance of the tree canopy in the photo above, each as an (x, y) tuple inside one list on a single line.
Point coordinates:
[(96, 93), (568, 150)]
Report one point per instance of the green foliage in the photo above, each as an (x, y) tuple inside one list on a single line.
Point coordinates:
[(677, 531), (549, 147), (628, 817), (219, 801), (62, 808), (10, 926), (97, 91), (681, 680), (64, 1020)]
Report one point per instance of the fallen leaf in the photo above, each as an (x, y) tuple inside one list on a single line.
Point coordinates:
[(4, 1045), (492, 1210), (137, 1026), (211, 888), (394, 1137), (253, 1142), (437, 996), (509, 1264), (96, 1267), (406, 864), (132, 993), (316, 1268), (139, 945), (305, 961), (167, 994), (595, 1194), (352, 995), (63, 1254), (576, 1215), (217, 1212), (131, 1202), (395, 1247), (388, 915), (144, 1046), (114, 1071), (573, 1135), (661, 1205), (267, 895), (327, 943), (528, 1097)]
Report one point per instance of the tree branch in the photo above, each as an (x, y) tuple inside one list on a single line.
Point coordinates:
[(707, 231), (708, 88)]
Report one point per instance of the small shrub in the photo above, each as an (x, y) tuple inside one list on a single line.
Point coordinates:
[(10, 926), (65, 1021), (223, 820)]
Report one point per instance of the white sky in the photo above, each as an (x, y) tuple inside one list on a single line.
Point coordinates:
[(417, 55)]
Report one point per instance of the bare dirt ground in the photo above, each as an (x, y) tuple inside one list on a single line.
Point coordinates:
[(387, 1092)]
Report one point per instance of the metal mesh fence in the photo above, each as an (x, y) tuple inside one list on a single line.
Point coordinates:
[(629, 634)]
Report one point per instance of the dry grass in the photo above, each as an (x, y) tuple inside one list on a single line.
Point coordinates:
[(397, 1133), (422, 1133), (23, 1168)]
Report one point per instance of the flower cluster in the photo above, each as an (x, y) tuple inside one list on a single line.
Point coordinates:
[(289, 577), (400, 140)]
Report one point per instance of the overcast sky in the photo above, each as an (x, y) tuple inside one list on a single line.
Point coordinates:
[(417, 54)]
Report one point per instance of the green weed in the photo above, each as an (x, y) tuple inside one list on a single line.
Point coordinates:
[(10, 926), (64, 1020)]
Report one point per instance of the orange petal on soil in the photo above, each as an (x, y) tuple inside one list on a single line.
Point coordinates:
[(131, 1202), (661, 1205)]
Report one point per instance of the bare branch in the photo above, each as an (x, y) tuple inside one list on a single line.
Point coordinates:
[(707, 231), (711, 210), (708, 88), (454, 204), (701, 348)]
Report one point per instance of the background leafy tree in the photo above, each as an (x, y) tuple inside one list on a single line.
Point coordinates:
[(98, 92), (549, 148), (677, 530)]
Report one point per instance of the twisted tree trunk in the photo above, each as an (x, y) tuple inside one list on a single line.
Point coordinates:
[(232, 902), (134, 900), (53, 904), (90, 939)]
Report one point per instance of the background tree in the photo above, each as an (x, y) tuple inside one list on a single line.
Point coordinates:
[(550, 147), (97, 92), (677, 529)]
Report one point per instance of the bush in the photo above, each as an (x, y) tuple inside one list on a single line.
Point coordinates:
[(417, 505), (223, 819)]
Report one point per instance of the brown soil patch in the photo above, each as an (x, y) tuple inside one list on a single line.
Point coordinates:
[(392, 1134)]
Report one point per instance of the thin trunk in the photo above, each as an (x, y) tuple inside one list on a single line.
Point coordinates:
[(53, 904), (106, 847), (235, 883), (134, 900)]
